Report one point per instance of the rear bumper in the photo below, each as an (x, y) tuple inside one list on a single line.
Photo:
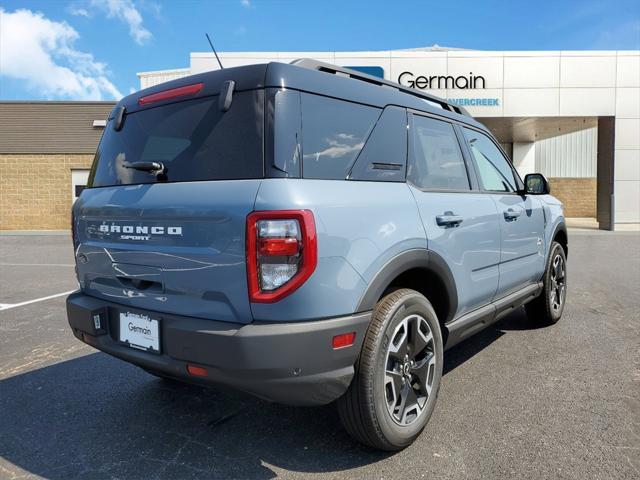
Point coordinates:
[(290, 363)]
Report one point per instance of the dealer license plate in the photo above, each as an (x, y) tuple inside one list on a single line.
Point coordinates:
[(140, 331)]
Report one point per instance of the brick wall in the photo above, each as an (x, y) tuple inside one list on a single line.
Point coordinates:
[(578, 195), (35, 190)]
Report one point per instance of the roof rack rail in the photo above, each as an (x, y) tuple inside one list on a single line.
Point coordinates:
[(363, 77)]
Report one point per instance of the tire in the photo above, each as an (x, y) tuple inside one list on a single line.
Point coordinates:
[(547, 308), (372, 408)]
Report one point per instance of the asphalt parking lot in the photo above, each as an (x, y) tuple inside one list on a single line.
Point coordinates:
[(516, 401)]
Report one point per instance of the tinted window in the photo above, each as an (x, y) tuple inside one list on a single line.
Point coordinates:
[(437, 161), (193, 139), (284, 139), (494, 170), (333, 133), (384, 156)]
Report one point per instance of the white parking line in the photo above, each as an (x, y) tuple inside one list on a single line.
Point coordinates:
[(7, 306), (37, 265)]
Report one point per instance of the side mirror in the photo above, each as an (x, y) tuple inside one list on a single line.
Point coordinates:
[(536, 184)]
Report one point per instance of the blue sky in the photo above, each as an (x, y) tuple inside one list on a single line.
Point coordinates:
[(92, 49)]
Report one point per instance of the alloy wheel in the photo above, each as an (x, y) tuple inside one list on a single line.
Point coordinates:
[(558, 283), (409, 369)]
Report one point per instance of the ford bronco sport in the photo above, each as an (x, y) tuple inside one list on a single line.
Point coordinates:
[(308, 234)]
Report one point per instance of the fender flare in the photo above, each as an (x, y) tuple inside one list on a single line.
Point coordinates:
[(403, 262), (560, 227)]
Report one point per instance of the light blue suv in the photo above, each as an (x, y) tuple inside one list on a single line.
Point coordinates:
[(308, 234)]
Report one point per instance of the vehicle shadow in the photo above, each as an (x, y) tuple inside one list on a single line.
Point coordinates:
[(95, 416), (517, 320)]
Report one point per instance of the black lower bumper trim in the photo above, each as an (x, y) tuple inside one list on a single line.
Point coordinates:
[(290, 363)]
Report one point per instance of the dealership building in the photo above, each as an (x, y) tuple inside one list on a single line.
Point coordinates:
[(572, 115)]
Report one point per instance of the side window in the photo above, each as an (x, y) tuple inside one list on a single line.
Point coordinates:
[(436, 160), (284, 138), (384, 156), (494, 170), (334, 132)]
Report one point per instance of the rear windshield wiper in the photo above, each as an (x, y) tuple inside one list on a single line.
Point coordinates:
[(146, 166)]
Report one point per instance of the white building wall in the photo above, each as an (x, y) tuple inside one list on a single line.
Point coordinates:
[(524, 157), (149, 79), (627, 140), (572, 155)]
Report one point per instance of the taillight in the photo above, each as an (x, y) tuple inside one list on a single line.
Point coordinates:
[(282, 252)]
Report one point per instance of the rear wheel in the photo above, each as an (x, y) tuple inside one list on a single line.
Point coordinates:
[(398, 374), (548, 307)]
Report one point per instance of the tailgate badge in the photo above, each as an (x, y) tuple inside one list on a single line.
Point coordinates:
[(139, 232)]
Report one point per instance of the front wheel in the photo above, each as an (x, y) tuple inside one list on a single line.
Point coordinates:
[(548, 307), (397, 377)]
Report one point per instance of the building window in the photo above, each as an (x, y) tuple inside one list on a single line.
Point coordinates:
[(79, 178)]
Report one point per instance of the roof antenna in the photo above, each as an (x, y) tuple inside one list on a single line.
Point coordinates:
[(214, 52)]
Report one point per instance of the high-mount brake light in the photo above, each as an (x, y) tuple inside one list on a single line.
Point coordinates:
[(282, 253), (171, 93)]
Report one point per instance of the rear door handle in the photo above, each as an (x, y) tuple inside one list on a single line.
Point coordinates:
[(448, 219), (511, 214)]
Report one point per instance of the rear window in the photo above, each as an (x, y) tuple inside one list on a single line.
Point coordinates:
[(193, 139)]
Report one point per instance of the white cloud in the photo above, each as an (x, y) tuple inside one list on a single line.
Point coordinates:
[(41, 52), (338, 145), (127, 12), (78, 12), (245, 3)]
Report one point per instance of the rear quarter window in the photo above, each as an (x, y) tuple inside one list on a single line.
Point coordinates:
[(193, 139), (333, 133)]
